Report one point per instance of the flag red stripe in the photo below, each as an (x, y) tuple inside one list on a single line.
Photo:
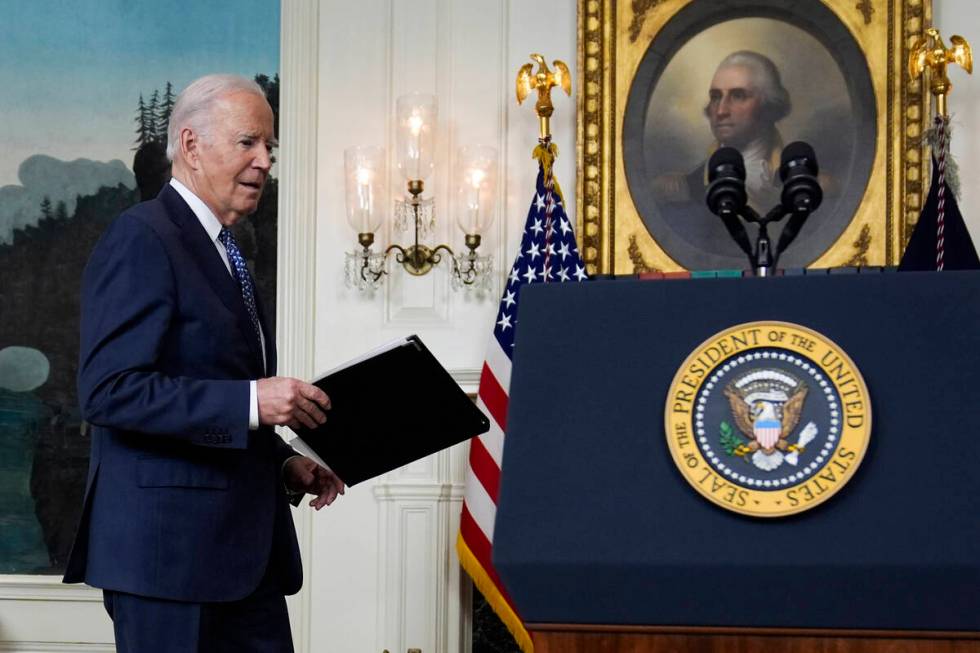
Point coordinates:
[(494, 396), (476, 540), (481, 548), (485, 468)]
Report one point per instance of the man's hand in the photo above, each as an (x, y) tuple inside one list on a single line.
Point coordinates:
[(290, 402), (302, 474)]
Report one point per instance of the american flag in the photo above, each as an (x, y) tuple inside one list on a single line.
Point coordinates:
[(548, 254)]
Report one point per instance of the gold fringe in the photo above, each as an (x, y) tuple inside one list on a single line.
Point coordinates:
[(493, 596), (547, 156)]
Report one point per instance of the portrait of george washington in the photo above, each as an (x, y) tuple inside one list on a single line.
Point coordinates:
[(753, 83)]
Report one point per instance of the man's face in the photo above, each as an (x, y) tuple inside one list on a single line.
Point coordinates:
[(234, 159), (734, 107)]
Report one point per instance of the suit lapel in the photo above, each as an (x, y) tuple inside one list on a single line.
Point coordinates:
[(205, 254), (270, 337)]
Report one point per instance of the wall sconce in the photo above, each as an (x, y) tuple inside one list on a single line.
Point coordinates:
[(475, 178)]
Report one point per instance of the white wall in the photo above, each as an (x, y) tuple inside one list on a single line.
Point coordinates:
[(382, 570)]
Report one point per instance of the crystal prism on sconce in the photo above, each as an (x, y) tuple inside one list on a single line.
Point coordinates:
[(404, 216), (475, 183)]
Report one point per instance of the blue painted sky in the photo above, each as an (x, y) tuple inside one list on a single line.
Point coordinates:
[(71, 71)]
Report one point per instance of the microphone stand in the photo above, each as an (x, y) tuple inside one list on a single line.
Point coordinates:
[(726, 198), (763, 258)]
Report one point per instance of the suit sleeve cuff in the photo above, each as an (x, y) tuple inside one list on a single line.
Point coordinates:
[(293, 496), (253, 406)]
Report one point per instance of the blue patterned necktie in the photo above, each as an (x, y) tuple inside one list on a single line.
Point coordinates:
[(240, 272)]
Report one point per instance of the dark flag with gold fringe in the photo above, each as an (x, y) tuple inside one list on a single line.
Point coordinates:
[(932, 248), (940, 240)]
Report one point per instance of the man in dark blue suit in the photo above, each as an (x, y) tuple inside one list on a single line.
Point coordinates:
[(186, 525)]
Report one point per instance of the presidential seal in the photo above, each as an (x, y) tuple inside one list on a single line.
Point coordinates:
[(768, 419)]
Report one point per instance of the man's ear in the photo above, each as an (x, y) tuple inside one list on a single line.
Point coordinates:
[(189, 144)]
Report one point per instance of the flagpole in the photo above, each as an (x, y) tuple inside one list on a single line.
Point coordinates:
[(942, 126), (548, 253), (543, 81), (929, 52), (545, 152)]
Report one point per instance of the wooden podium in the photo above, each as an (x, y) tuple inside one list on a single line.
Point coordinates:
[(604, 546)]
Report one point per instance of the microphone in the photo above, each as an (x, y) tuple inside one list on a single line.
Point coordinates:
[(726, 195), (802, 194), (726, 181), (798, 171)]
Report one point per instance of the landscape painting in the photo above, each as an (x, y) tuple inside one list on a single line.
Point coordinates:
[(88, 90)]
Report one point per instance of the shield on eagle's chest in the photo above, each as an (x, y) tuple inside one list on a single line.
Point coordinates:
[(767, 432)]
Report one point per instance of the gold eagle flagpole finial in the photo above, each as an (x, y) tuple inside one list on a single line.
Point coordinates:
[(542, 82), (929, 51)]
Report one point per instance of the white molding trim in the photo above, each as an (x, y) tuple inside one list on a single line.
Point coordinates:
[(503, 226), (467, 378), (419, 491), (425, 300), (296, 278), (45, 588)]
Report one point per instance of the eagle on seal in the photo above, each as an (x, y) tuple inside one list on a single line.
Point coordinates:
[(766, 418)]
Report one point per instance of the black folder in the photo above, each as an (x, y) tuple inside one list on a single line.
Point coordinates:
[(390, 408)]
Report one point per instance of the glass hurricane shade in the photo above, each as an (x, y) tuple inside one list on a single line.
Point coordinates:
[(415, 134), (476, 182), (364, 170)]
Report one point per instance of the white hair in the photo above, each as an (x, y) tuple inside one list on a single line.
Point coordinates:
[(776, 103), (193, 106)]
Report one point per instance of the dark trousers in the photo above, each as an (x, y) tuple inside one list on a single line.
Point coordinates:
[(258, 623)]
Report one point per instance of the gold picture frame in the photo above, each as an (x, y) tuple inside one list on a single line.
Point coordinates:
[(614, 38)]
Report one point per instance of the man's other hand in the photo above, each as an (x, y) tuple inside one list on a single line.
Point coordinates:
[(290, 402), (302, 474)]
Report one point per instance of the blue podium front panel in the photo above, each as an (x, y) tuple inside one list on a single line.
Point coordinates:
[(596, 525)]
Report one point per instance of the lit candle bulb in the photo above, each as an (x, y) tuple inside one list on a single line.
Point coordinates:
[(415, 123), (364, 198), (475, 188), (476, 180), (364, 188)]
